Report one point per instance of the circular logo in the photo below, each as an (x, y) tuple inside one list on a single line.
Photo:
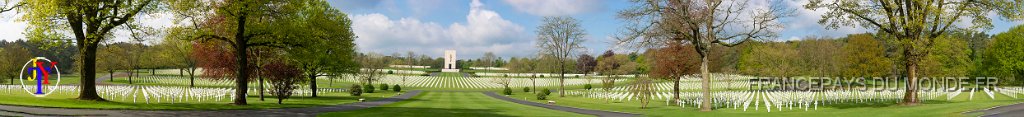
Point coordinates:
[(36, 76)]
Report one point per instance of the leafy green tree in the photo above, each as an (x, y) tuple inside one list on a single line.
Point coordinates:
[(243, 25), (178, 51), (948, 57), (15, 56), (90, 22), (1003, 58), (328, 46), (864, 56), (914, 24), (109, 58)]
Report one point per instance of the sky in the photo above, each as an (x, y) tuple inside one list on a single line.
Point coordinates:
[(505, 27)]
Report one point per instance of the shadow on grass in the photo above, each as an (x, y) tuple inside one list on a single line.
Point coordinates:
[(418, 112)]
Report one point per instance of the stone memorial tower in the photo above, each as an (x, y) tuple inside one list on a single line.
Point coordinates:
[(449, 62)]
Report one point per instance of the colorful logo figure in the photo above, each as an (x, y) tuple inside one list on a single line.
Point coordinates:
[(38, 72)]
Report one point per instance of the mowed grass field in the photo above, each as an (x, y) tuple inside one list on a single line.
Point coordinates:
[(453, 104), (957, 107), (67, 101)]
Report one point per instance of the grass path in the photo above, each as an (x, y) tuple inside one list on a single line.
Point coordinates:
[(457, 104)]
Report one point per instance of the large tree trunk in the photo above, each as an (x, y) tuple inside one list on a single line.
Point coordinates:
[(910, 96), (312, 83), (241, 61), (242, 75), (705, 84), (88, 73)]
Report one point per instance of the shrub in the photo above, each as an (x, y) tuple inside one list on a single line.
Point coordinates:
[(391, 72), (368, 88), (384, 87), (508, 91), (587, 86), (541, 76), (542, 96), (546, 91), (355, 90), (397, 88), (526, 89)]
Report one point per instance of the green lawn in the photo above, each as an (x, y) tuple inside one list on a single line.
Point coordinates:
[(954, 108), (453, 104), (18, 97)]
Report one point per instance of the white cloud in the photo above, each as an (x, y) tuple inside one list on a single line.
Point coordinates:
[(805, 23), (555, 7), (483, 31), (10, 28)]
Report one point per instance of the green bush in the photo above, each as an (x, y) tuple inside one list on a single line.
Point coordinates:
[(508, 91), (587, 86), (368, 88), (542, 96), (397, 88), (391, 72), (384, 87), (541, 76), (546, 91), (526, 89), (355, 90)]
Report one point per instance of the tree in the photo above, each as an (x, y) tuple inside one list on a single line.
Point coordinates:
[(560, 37), (1003, 57), (243, 25), (90, 22), (372, 68), (524, 65), (948, 57), (283, 79), (654, 23), (329, 46), (643, 90), (7, 5), (607, 64), (914, 25), (672, 63), (864, 57), (15, 55), (179, 51), (585, 64), (110, 59)]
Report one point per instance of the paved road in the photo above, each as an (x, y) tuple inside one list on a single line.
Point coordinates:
[(562, 108), (1015, 110), (286, 112)]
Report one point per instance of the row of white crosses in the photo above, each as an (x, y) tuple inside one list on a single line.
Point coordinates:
[(781, 100), (474, 82)]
